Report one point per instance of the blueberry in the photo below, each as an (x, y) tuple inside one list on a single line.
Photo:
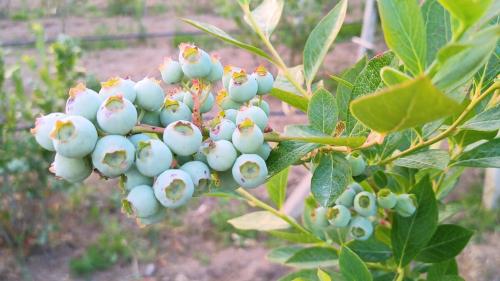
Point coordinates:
[(74, 136), (242, 87), (71, 169), (200, 154), (156, 218), (113, 155), (220, 154), (264, 151), (319, 217), (117, 115), (132, 178), (356, 187), (182, 137), (224, 181), (264, 79), (174, 111), (200, 174), (216, 71), (152, 157), (406, 205), (222, 130), (247, 137), (171, 71), (386, 199), (118, 86), (231, 114), (249, 170), (358, 165), (181, 160), (262, 104), (135, 139), (149, 94), (228, 74), (346, 198), (225, 102), (141, 202), (339, 216), (83, 102), (254, 113), (360, 228), (178, 95), (173, 188), (151, 118), (207, 101), (43, 127), (365, 204), (195, 62)]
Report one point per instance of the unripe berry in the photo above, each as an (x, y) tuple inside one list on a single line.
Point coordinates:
[(222, 130), (113, 155), (156, 218), (231, 114), (406, 205), (264, 151), (178, 95), (386, 199), (71, 169), (247, 137), (132, 178), (182, 137), (149, 94), (200, 154), (174, 111), (74, 136), (216, 71), (117, 115), (249, 170), (264, 79), (151, 118), (135, 139), (173, 188), (262, 104), (339, 216), (43, 127), (242, 87), (141, 202), (200, 174), (228, 74), (171, 71), (346, 198), (365, 204), (152, 157), (360, 228), (224, 181), (181, 160), (356, 187), (195, 62), (220, 155), (254, 113), (319, 217), (225, 102), (118, 86), (207, 101), (83, 102), (358, 164)]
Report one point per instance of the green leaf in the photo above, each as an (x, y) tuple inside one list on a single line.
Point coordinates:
[(282, 254), (409, 104), (465, 138), (409, 235), (438, 270), (322, 111), (485, 155), (352, 267), (488, 120), (267, 16), (343, 93), (323, 276), (286, 154), (447, 242), (392, 76), (321, 38), (467, 11), (330, 178), (296, 237), (260, 220), (451, 50), (313, 257), (306, 133), (432, 158), (404, 32), (437, 27), (222, 35), (459, 69), (276, 187), (282, 82), (308, 275), (292, 99), (370, 250)]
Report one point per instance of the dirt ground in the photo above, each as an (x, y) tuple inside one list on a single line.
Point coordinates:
[(191, 251)]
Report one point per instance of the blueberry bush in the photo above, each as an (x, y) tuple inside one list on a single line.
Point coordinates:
[(384, 150)]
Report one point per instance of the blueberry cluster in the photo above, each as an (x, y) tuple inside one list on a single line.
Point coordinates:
[(99, 132), (355, 206)]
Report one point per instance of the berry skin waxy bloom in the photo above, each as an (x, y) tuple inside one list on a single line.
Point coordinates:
[(43, 127), (200, 174), (254, 113), (339, 216), (152, 157), (220, 154), (195, 62), (74, 136), (141, 201), (360, 228), (265, 80), (249, 170), (406, 205), (182, 137), (386, 199), (71, 169), (117, 115), (118, 86), (173, 188), (365, 204), (242, 87), (113, 155), (247, 137), (174, 111), (149, 94), (83, 102), (223, 130), (132, 178), (171, 71)]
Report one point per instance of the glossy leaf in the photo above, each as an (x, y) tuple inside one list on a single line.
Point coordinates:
[(286, 154), (409, 235), (467, 11), (267, 15), (276, 187), (432, 158), (313, 257), (392, 76), (488, 120), (409, 104), (352, 267), (437, 27), (485, 155), (370, 250), (282, 82), (439, 270), (308, 275), (322, 111), (282, 254), (343, 93), (447, 242), (260, 220), (296, 237), (404, 32), (292, 99), (323, 276), (309, 134), (321, 38), (330, 178)]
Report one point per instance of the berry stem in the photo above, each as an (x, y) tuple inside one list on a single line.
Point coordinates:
[(196, 106), (142, 128)]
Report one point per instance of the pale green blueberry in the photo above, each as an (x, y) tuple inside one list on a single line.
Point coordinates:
[(225, 102), (132, 178), (141, 201), (242, 87), (262, 104), (254, 113), (228, 74), (174, 111), (222, 130), (195, 62), (247, 137), (365, 204), (360, 228), (356, 187), (406, 205), (71, 169), (346, 198), (178, 95), (264, 151), (358, 165), (182, 137), (173, 188), (149, 94), (135, 139), (43, 127), (171, 71), (216, 71), (339, 216), (265, 80), (220, 154), (118, 86), (74, 136), (231, 114), (319, 217), (386, 198), (117, 115), (206, 97), (152, 157), (113, 155), (83, 102), (151, 118), (199, 172), (250, 170), (181, 160)]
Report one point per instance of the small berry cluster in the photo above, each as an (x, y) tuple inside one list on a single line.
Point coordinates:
[(354, 207), (97, 132)]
